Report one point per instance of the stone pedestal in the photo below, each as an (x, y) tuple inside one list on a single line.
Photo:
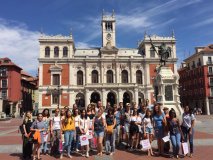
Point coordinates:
[(166, 89)]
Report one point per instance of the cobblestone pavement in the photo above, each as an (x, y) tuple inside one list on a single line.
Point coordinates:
[(11, 143)]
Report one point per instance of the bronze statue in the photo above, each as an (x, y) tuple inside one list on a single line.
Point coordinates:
[(163, 51)]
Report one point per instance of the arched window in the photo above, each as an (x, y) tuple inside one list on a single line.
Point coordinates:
[(47, 51), (79, 78), (152, 52), (94, 76), (139, 79), (56, 52), (124, 76), (109, 76), (65, 52)]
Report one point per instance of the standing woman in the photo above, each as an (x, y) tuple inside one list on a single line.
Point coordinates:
[(175, 132), (127, 115), (148, 129), (110, 138), (46, 120), (84, 123), (75, 144), (68, 125), (159, 123), (98, 129), (133, 129), (37, 128), (187, 127), (27, 144), (55, 131), (117, 127)]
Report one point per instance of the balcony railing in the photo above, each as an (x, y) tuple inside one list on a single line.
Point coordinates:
[(210, 73), (209, 62)]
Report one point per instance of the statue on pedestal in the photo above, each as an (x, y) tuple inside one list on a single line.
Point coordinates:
[(163, 51)]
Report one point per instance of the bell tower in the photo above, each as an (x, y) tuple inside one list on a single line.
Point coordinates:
[(108, 29)]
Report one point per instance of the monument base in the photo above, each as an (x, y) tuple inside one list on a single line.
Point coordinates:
[(166, 89)]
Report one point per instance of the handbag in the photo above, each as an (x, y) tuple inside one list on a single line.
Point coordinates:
[(109, 129)]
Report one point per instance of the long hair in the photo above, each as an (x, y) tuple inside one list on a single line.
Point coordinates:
[(172, 111), (66, 117), (146, 115), (48, 114), (26, 118), (154, 111), (85, 116)]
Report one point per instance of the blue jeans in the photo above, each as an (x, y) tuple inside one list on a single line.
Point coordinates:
[(68, 138), (110, 143), (116, 133), (186, 135), (175, 139)]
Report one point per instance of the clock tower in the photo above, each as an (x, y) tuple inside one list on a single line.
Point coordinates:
[(108, 30)]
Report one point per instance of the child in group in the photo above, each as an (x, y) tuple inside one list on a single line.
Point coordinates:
[(148, 129)]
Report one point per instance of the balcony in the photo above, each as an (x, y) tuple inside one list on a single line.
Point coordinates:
[(210, 73), (209, 62)]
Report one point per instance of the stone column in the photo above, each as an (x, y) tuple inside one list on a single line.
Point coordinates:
[(117, 74), (86, 71), (17, 110), (136, 95), (104, 97), (207, 106), (72, 98), (120, 95), (102, 73), (131, 73), (87, 97), (11, 108), (1, 105)]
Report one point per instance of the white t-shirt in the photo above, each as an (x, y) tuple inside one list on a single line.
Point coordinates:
[(187, 120), (147, 122), (56, 122), (84, 123), (133, 119), (138, 119), (77, 119)]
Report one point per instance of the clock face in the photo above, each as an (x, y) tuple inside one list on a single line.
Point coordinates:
[(109, 36)]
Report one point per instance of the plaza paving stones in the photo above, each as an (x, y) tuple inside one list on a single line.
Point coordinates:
[(11, 143)]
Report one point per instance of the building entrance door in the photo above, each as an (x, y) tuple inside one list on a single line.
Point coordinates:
[(95, 97), (126, 98), (111, 98)]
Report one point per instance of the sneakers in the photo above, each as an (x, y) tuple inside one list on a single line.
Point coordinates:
[(77, 150), (87, 154), (69, 156)]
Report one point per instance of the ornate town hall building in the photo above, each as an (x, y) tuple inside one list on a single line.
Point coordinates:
[(69, 75)]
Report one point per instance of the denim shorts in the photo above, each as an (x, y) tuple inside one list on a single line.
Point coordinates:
[(99, 133), (149, 130), (159, 132), (126, 127)]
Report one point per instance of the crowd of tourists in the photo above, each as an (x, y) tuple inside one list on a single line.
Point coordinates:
[(107, 128)]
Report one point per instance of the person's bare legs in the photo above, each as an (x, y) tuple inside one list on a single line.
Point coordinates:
[(38, 150), (100, 142), (34, 151)]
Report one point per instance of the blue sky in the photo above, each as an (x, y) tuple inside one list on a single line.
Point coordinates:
[(22, 20)]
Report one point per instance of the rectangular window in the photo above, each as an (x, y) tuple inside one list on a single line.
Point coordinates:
[(4, 83), (152, 53), (3, 72), (4, 94), (210, 70), (209, 60), (56, 79), (211, 91), (211, 81), (55, 99)]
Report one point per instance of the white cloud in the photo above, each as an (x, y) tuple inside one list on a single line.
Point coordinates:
[(203, 23), (19, 44), (82, 45)]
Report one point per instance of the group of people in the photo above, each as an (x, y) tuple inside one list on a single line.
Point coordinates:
[(111, 127)]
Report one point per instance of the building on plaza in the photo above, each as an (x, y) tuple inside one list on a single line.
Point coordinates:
[(196, 80), (15, 88), (69, 75)]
